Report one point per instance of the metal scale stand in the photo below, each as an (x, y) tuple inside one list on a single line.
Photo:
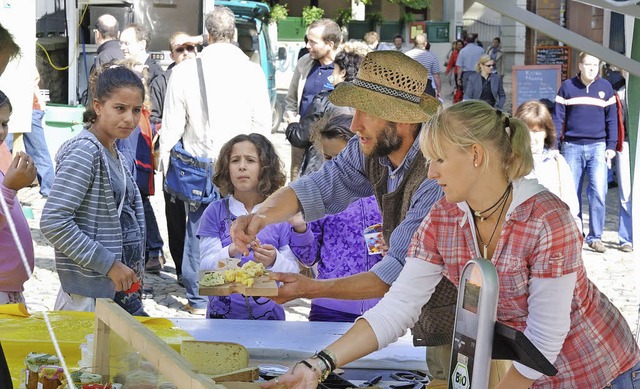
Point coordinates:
[(478, 337)]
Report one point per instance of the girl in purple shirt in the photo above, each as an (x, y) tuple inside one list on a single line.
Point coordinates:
[(247, 171)]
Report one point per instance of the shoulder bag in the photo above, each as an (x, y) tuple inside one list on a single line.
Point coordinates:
[(190, 178)]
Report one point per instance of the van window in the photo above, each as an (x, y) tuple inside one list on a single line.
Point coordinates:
[(248, 42)]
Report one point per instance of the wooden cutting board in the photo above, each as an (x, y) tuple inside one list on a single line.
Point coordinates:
[(262, 287)]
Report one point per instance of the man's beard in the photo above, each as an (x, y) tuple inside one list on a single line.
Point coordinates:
[(387, 142)]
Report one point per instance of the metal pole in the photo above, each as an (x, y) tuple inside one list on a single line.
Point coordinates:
[(72, 34)]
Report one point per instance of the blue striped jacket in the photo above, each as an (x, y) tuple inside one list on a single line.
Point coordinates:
[(80, 218)]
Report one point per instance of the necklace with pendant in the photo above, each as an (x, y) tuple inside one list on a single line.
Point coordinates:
[(497, 206), (481, 214)]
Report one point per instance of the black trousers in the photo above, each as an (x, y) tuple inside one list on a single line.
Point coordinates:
[(430, 90), (176, 216), (5, 376)]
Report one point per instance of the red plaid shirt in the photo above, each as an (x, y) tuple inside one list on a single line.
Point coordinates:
[(538, 240)]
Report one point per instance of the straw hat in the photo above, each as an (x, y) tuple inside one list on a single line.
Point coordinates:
[(389, 85)]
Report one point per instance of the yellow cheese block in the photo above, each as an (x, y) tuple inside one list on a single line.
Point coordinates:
[(244, 375), (214, 358)]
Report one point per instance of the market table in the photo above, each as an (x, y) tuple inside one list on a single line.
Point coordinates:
[(278, 342), (288, 342)]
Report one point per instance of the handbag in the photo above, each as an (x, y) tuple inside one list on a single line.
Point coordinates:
[(458, 95), (190, 178)]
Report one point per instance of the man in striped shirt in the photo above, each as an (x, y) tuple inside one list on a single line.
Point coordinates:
[(429, 61), (586, 119)]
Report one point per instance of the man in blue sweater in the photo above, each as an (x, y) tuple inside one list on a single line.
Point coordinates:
[(586, 120)]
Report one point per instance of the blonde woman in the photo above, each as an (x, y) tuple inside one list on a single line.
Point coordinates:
[(485, 85)]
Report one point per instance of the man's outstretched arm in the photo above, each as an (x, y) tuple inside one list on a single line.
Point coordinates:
[(279, 207), (356, 287)]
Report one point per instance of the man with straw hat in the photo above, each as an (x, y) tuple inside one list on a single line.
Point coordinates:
[(384, 159)]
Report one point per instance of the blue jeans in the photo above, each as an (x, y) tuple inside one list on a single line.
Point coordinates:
[(630, 379), (35, 146), (623, 174), (590, 160), (191, 259)]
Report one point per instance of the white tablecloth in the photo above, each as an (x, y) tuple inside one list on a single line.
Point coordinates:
[(287, 342)]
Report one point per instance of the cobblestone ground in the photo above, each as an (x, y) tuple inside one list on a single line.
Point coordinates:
[(615, 273)]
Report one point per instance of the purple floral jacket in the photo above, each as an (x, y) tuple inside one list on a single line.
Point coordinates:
[(336, 244)]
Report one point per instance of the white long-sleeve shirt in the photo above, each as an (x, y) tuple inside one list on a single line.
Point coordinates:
[(212, 249), (237, 97)]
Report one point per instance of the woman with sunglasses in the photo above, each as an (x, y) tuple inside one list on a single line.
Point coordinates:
[(485, 85)]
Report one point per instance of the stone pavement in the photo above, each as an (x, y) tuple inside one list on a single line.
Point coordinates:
[(615, 273)]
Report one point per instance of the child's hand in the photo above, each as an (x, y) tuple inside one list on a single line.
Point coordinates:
[(21, 172), (265, 254), (122, 276)]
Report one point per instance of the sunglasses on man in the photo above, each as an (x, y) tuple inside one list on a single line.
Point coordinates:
[(189, 48)]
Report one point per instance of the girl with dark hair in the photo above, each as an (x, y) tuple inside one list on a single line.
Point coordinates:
[(336, 244), (247, 171), (345, 67), (94, 216), (19, 174)]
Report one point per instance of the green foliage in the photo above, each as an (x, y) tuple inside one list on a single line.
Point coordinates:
[(374, 17), (344, 16), (415, 4), (278, 12), (407, 18), (311, 14)]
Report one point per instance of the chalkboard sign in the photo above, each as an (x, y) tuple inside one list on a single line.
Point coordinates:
[(555, 55), (535, 82)]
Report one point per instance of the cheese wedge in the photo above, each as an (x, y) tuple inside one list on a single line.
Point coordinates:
[(213, 358)]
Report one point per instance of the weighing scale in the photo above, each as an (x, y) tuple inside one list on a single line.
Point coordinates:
[(478, 337)]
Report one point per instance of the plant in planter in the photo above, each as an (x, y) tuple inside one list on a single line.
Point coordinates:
[(311, 14), (278, 12), (407, 18), (375, 18), (344, 16)]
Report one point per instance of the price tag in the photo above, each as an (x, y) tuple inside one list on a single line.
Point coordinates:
[(460, 377)]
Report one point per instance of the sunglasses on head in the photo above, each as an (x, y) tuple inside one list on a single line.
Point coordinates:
[(190, 48)]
